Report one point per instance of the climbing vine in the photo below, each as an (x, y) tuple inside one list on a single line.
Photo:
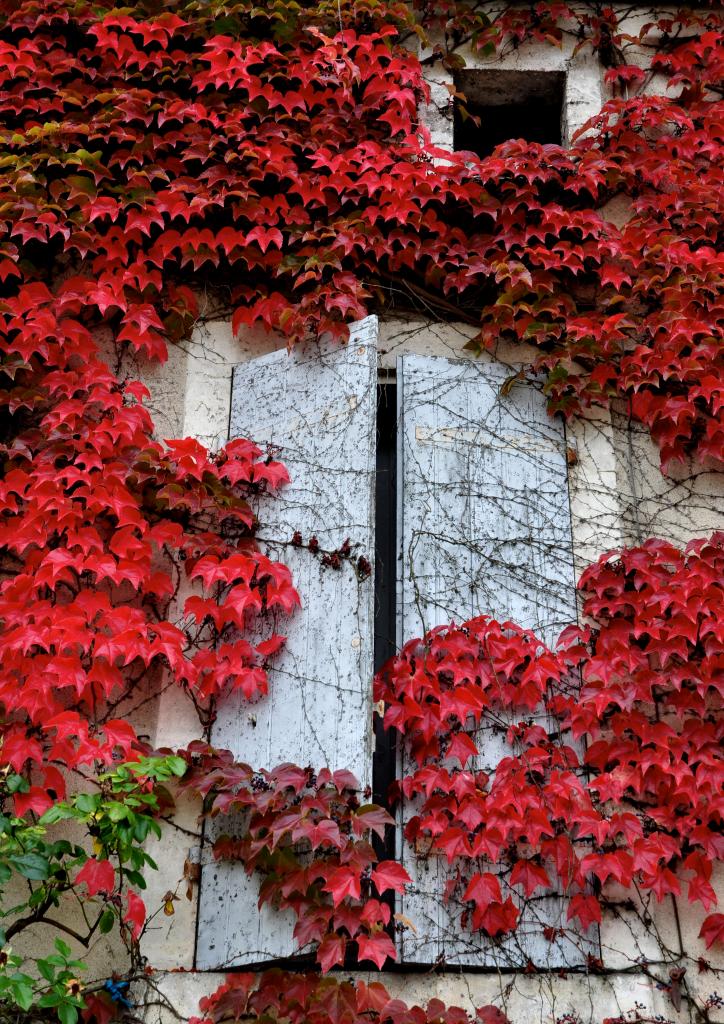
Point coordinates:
[(275, 159), (640, 804), (281, 996), (641, 683)]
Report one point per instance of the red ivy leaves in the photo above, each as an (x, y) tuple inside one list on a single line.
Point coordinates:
[(280, 996), (390, 875), (530, 876), (309, 837), (148, 151), (652, 686), (643, 682), (585, 909), (712, 929), (135, 915), (255, 157), (95, 514), (648, 700), (376, 948), (98, 875)]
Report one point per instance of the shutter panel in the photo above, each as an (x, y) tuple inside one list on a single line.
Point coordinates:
[(318, 406), (485, 516), (484, 528)]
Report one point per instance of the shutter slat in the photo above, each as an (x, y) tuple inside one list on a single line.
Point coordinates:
[(319, 408), (484, 528)]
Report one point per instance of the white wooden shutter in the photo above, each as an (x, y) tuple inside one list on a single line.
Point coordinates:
[(484, 527), (318, 407)]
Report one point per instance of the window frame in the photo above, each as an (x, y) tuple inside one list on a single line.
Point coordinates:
[(583, 94), (386, 759), (507, 93)]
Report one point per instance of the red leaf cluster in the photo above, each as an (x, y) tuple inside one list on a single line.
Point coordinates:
[(643, 683), (96, 515), (309, 837), (292, 170), (299, 998)]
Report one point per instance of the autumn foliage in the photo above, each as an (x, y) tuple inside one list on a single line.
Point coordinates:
[(309, 835), (276, 157), (642, 684), (277, 995)]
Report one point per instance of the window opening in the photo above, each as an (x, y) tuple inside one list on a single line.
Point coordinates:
[(227, 935), (502, 105), (384, 759)]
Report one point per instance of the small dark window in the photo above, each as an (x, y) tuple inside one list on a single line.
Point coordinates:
[(510, 105)]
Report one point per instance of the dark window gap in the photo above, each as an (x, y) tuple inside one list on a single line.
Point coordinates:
[(385, 624), (501, 105)]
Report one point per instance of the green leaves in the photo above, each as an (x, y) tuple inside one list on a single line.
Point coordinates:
[(67, 1013), (118, 819), (106, 921), (17, 988), (25, 851), (57, 987), (87, 803), (17, 784), (30, 865)]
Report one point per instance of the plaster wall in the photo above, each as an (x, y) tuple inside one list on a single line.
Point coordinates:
[(585, 90)]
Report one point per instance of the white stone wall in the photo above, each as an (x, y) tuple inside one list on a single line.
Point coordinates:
[(584, 92), (585, 89)]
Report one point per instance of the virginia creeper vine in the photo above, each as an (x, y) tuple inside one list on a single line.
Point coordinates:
[(276, 156)]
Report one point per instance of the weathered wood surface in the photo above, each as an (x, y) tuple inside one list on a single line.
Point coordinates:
[(318, 408), (483, 527), (486, 518)]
